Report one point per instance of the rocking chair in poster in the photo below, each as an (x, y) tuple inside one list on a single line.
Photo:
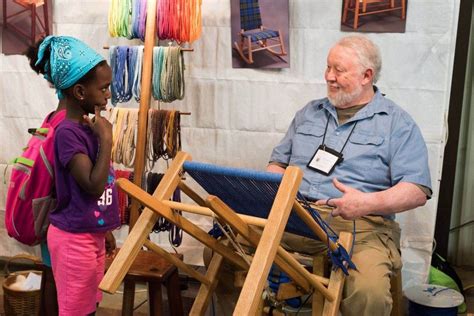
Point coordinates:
[(254, 36)]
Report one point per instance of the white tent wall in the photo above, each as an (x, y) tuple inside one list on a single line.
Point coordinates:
[(238, 115)]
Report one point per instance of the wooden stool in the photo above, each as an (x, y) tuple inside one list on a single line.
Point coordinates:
[(151, 268)]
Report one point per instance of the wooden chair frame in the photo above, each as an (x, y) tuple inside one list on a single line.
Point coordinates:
[(31, 6), (245, 47), (366, 7), (267, 244)]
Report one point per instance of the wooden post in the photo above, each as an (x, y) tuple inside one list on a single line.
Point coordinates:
[(145, 96)]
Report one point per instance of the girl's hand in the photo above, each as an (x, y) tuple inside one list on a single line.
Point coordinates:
[(110, 244), (99, 125)]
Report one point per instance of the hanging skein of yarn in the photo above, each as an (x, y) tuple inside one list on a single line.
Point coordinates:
[(120, 15), (124, 140), (122, 82), (164, 135), (168, 74), (158, 55), (135, 60), (138, 19), (179, 20)]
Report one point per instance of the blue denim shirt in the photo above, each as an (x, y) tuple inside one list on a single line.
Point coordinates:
[(385, 148)]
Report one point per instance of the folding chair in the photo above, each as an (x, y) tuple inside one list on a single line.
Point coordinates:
[(231, 190), (254, 36)]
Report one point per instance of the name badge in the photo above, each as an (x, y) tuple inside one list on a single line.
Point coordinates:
[(325, 160)]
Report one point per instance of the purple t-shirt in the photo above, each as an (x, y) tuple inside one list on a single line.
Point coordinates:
[(77, 211)]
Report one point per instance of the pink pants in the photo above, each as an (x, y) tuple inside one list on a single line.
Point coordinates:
[(78, 266)]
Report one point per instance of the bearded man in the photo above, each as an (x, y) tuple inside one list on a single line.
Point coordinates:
[(364, 160)]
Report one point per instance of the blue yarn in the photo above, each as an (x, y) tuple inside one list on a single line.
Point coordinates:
[(135, 19), (121, 87), (252, 193), (136, 85)]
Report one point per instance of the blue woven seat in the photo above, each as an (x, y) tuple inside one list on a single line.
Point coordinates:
[(253, 31), (261, 35)]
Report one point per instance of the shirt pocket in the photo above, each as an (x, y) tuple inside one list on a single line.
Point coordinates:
[(365, 148), (307, 139)]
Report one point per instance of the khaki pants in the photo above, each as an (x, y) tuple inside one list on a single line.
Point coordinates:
[(375, 254)]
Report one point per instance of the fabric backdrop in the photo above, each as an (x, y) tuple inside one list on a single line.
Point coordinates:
[(238, 115)]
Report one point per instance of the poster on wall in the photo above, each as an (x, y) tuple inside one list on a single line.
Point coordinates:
[(376, 16), (260, 34), (23, 23)]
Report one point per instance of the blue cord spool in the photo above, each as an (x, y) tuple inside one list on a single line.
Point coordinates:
[(433, 300)]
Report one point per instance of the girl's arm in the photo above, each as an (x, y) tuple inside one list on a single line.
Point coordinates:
[(93, 178)]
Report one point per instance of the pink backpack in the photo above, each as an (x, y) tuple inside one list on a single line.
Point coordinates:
[(30, 192)]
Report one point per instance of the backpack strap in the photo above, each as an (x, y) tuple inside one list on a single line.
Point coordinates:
[(54, 118)]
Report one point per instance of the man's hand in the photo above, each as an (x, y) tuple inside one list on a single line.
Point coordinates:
[(110, 245), (351, 205), (275, 169)]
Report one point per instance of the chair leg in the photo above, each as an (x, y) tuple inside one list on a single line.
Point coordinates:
[(346, 8), (404, 8), (33, 23), (356, 14), (46, 17), (282, 44), (128, 297), (155, 301), (249, 43), (174, 294), (5, 13)]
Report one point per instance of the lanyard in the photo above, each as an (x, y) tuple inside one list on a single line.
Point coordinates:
[(326, 129)]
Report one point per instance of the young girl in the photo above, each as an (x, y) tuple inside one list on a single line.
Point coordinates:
[(85, 182)]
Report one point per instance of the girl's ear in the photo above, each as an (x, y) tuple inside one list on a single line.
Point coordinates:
[(79, 92)]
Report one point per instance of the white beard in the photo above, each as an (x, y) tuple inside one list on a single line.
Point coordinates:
[(341, 98)]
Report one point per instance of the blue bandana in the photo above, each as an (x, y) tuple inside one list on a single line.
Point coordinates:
[(70, 59)]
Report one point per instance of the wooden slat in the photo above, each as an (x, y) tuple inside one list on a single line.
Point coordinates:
[(336, 281), (144, 225), (309, 221), (194, 209), (177, 262), (320, 267), (201, 302), (157, 206), (250, 295), (190, 192), (284, 260), (145, 96)]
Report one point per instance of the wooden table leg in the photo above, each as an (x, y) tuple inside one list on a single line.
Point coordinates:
[(154, 298), (128, 297), (174, 294)]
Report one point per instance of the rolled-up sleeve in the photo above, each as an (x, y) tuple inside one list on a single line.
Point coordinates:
[(409, 155), (281, 154)]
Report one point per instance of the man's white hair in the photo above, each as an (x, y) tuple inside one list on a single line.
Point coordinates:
[(367, 52)]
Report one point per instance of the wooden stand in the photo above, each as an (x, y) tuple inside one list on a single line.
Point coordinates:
[(153, 269), (267, 244)]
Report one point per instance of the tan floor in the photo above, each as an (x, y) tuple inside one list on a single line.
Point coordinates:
[(111, 304)]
